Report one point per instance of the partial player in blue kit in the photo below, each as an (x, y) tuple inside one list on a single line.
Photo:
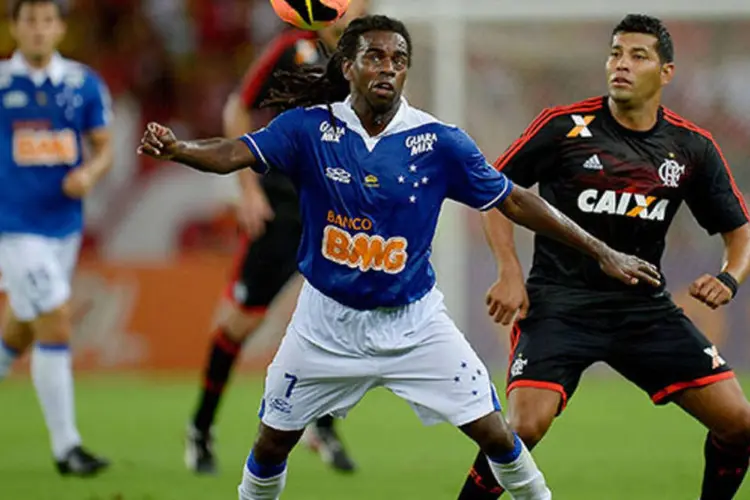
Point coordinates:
[(49, 107), (372, 173)]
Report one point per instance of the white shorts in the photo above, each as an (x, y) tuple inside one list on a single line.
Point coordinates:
[(332, 355), (36, 272)]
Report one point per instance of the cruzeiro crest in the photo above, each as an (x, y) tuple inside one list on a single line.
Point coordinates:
[(670, 172)]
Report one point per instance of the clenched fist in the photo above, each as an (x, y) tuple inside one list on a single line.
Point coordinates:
[(158, 141), (709, 290)]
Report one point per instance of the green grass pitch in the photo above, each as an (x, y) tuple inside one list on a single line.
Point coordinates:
[(610, 444)]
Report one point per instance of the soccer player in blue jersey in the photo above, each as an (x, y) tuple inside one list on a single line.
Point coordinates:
[(48, 107), (372, 173)]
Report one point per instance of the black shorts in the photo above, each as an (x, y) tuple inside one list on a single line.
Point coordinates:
[(662, 357), (264, 266)]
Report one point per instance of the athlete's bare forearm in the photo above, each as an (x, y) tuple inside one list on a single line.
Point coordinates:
[(531, 211), (218, 155), (737, 245)]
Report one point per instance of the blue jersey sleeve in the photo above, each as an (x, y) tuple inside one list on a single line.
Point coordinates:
[(474, 182), (276, 145), (97, 106)]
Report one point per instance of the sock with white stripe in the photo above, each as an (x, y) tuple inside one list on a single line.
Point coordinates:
[(262, 482), (518, 474), (7, 356), (52, 373)]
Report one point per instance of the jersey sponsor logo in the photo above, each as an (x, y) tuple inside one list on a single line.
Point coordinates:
[(593, 201), (371, 181), (593, 163), (716, 360), (421, 143), (32, 148), (670, 172), (353, 223), (581, 128), (364, 252), (15, 99), (329, 133), (338, 175)]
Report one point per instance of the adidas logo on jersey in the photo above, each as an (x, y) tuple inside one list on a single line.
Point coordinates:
[(593, 163), (329, 133), (592, 201), (421, 143)]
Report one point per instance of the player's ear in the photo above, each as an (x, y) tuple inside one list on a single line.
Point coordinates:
[(667, 73), (346, 69)]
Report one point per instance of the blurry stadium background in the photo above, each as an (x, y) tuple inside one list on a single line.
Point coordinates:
[(160, 243)]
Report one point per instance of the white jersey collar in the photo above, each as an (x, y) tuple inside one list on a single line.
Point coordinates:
[(55, 70)]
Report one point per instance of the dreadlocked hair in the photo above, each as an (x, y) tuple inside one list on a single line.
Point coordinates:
[(315, 85)]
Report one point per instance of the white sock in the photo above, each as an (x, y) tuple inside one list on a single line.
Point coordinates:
[(7, 357), (52, 372), (260, 482), (519, 476)]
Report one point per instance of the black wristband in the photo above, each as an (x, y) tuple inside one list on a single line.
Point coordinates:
[(729, 281)]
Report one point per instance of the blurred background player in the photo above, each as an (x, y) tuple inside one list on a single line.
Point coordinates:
[(268, 212), (50, 107), (621, 166)]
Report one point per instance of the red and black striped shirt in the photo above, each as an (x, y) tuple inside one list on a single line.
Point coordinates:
[(622, 186)]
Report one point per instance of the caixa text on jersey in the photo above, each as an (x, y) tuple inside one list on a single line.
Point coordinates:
[(627, 204)]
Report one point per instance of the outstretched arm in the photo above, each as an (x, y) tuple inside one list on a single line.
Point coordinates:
[(218, 156), (529, 210), (479, 185)]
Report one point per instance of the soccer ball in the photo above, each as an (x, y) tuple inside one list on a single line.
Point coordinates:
[(310, 14)]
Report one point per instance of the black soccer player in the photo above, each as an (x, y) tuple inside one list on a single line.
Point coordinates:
[(369, 314), (269, 214), (620, 166)]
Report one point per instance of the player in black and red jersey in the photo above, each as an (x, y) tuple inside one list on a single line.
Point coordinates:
[(269, 214), (620, 166)]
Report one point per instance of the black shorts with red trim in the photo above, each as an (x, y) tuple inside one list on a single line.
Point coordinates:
[(264, 266), (662, 356)]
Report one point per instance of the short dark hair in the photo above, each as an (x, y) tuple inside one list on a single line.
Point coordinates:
[(312, 86), (17, 4), (641, 23)]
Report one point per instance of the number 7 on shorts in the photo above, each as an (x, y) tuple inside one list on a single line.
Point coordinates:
[(292, 382)]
